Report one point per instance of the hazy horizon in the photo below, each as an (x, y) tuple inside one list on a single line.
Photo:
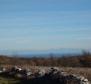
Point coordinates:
[(44, 25), (44, 53)]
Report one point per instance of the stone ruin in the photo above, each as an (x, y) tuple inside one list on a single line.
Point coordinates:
[(42, 76)]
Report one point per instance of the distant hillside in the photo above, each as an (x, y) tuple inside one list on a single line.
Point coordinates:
[(83, 60), (38, 53)]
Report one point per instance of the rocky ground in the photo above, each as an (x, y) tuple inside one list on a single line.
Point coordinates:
[(44, 75)]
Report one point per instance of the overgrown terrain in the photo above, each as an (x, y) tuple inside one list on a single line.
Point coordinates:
[(52, 77), (83, 60), (76, 64)]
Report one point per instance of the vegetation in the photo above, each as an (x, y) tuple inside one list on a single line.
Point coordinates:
[(80, 64), (4, 80), (83, 60)]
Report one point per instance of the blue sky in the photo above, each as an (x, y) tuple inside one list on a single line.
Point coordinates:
[(45, 24)]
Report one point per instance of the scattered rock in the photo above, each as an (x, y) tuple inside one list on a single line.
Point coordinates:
[(52, 74)]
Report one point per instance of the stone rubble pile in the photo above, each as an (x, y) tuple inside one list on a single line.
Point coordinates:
[(49, 74), (67, 78)]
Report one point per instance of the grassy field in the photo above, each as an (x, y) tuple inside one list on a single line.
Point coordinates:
[(5, 80)]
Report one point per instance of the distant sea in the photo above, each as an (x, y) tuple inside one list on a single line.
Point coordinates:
[(46, 53)]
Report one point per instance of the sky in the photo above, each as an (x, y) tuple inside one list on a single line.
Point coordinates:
[(45, 24)]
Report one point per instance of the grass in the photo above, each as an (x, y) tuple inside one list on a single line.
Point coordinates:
[(4, 80)]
